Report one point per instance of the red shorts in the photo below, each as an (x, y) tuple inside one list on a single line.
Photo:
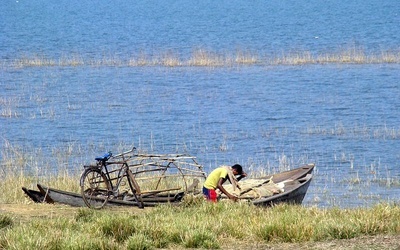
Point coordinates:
[(210, 194)]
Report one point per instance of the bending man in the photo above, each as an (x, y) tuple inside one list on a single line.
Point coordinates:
[(218, 177)]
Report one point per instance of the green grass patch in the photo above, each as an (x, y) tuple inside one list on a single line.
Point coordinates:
[(5, 221), (203, 225)]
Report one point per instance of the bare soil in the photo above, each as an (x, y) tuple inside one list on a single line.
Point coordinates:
[(27, 212), (364, 242)]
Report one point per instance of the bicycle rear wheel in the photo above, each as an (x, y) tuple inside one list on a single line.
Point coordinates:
[(95, 188)]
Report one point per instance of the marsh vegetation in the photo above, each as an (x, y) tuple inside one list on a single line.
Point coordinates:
[(207, 58)]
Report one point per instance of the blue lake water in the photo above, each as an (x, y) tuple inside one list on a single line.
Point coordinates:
[(343, 117)]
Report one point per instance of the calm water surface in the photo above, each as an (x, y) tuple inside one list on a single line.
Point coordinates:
[(343, 117)]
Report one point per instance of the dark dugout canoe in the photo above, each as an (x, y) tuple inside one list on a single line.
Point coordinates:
[(296, 183), (52, 195)]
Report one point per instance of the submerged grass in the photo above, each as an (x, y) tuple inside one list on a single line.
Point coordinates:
[(197, 225), (205, 58), (356, 131)]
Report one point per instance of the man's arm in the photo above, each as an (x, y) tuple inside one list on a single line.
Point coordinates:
[(241, 176), (220, 187)]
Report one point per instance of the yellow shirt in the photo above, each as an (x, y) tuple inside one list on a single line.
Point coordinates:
[(213, 178)]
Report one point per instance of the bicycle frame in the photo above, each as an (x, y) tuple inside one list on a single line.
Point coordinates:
[(122, 172), (111, 184), (163, 178)]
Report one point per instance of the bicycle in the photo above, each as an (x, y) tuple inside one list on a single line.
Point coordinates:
[(99, 185)]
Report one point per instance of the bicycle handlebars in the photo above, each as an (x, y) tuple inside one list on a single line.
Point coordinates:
[(124, 153)]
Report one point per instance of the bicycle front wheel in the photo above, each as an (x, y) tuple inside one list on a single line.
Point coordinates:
[(95, 188)]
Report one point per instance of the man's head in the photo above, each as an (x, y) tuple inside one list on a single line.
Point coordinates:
[(237, 169)]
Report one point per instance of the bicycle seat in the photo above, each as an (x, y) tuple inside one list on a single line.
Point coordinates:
[(105, 157)]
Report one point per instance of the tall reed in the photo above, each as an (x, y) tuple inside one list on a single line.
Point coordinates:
[(24, 167)]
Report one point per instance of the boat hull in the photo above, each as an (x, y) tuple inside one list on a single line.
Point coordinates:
[(293, 194)]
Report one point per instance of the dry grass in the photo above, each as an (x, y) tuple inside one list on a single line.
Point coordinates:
[(206, 58)]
